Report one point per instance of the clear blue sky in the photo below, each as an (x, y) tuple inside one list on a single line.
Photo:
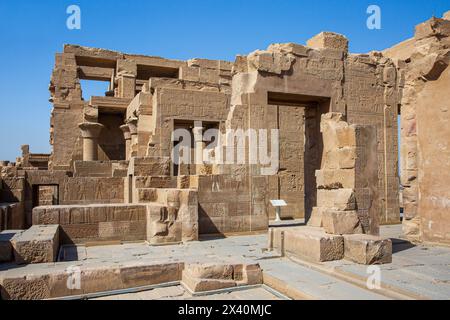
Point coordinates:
[(31, 32)]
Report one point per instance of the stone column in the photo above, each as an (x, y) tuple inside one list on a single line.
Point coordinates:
[(127, 135), (200, 167), (90, 132), (132, 125)]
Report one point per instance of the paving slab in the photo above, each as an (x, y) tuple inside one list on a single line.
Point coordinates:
[(421, 271)]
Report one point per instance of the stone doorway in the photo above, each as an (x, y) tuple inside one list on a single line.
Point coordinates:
[(298, 121)]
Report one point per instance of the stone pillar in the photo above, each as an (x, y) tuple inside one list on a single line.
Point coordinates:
[(132, 125), (126, 78), (90, 132), (127, 135), (198, 146)]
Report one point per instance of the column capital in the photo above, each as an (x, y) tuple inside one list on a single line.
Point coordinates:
[(90, 129)]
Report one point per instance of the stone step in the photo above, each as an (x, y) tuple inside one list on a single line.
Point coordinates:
[(39, 244), (49, 281), (6, 251), (310, 243)]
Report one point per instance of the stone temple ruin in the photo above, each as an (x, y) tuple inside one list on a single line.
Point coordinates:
[(112, 177)]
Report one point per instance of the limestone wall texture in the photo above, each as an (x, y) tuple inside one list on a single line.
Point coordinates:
[(425, 160)]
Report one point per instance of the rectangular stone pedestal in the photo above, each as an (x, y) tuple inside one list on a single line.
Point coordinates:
[(39, 244), (367, 249), (311, 243)]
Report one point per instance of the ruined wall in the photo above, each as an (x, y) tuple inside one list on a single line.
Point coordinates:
[(433, 125), (365, 88), (67, 110), (347, 182), (424, 60), (225, 205), (80, 224)]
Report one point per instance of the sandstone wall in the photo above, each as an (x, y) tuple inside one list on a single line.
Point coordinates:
[(424, 60), (81, 224), (365, 88)]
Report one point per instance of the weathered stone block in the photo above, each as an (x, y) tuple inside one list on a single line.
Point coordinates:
[(335, 179), (316, 219), (341, 222), (6, 252), (338, 199), (210, 276), (346, 136), (39, 244), (367, 249), (328, 40), (347, 157), (311, 243)]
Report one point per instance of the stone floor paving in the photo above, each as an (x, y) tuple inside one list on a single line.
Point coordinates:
[(420, 271), (179, 293)]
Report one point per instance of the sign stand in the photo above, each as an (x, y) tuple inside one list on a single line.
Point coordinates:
[(278, 204)]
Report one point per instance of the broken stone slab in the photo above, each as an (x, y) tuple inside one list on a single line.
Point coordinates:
[(338, 199), (311, 243), (39, 244), (341, 222), (367, 249), (6, 251)]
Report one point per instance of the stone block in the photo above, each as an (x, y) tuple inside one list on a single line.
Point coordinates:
[(328, 40), (347, 157), (202, 285), (446, 15), (316, 219), (338, 199), (367, 249), (39, 244), (346, 136), (341, 222), (335, 179), (311, 243), (92, 169), (210, 276), (6, 251), (434, 27)]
